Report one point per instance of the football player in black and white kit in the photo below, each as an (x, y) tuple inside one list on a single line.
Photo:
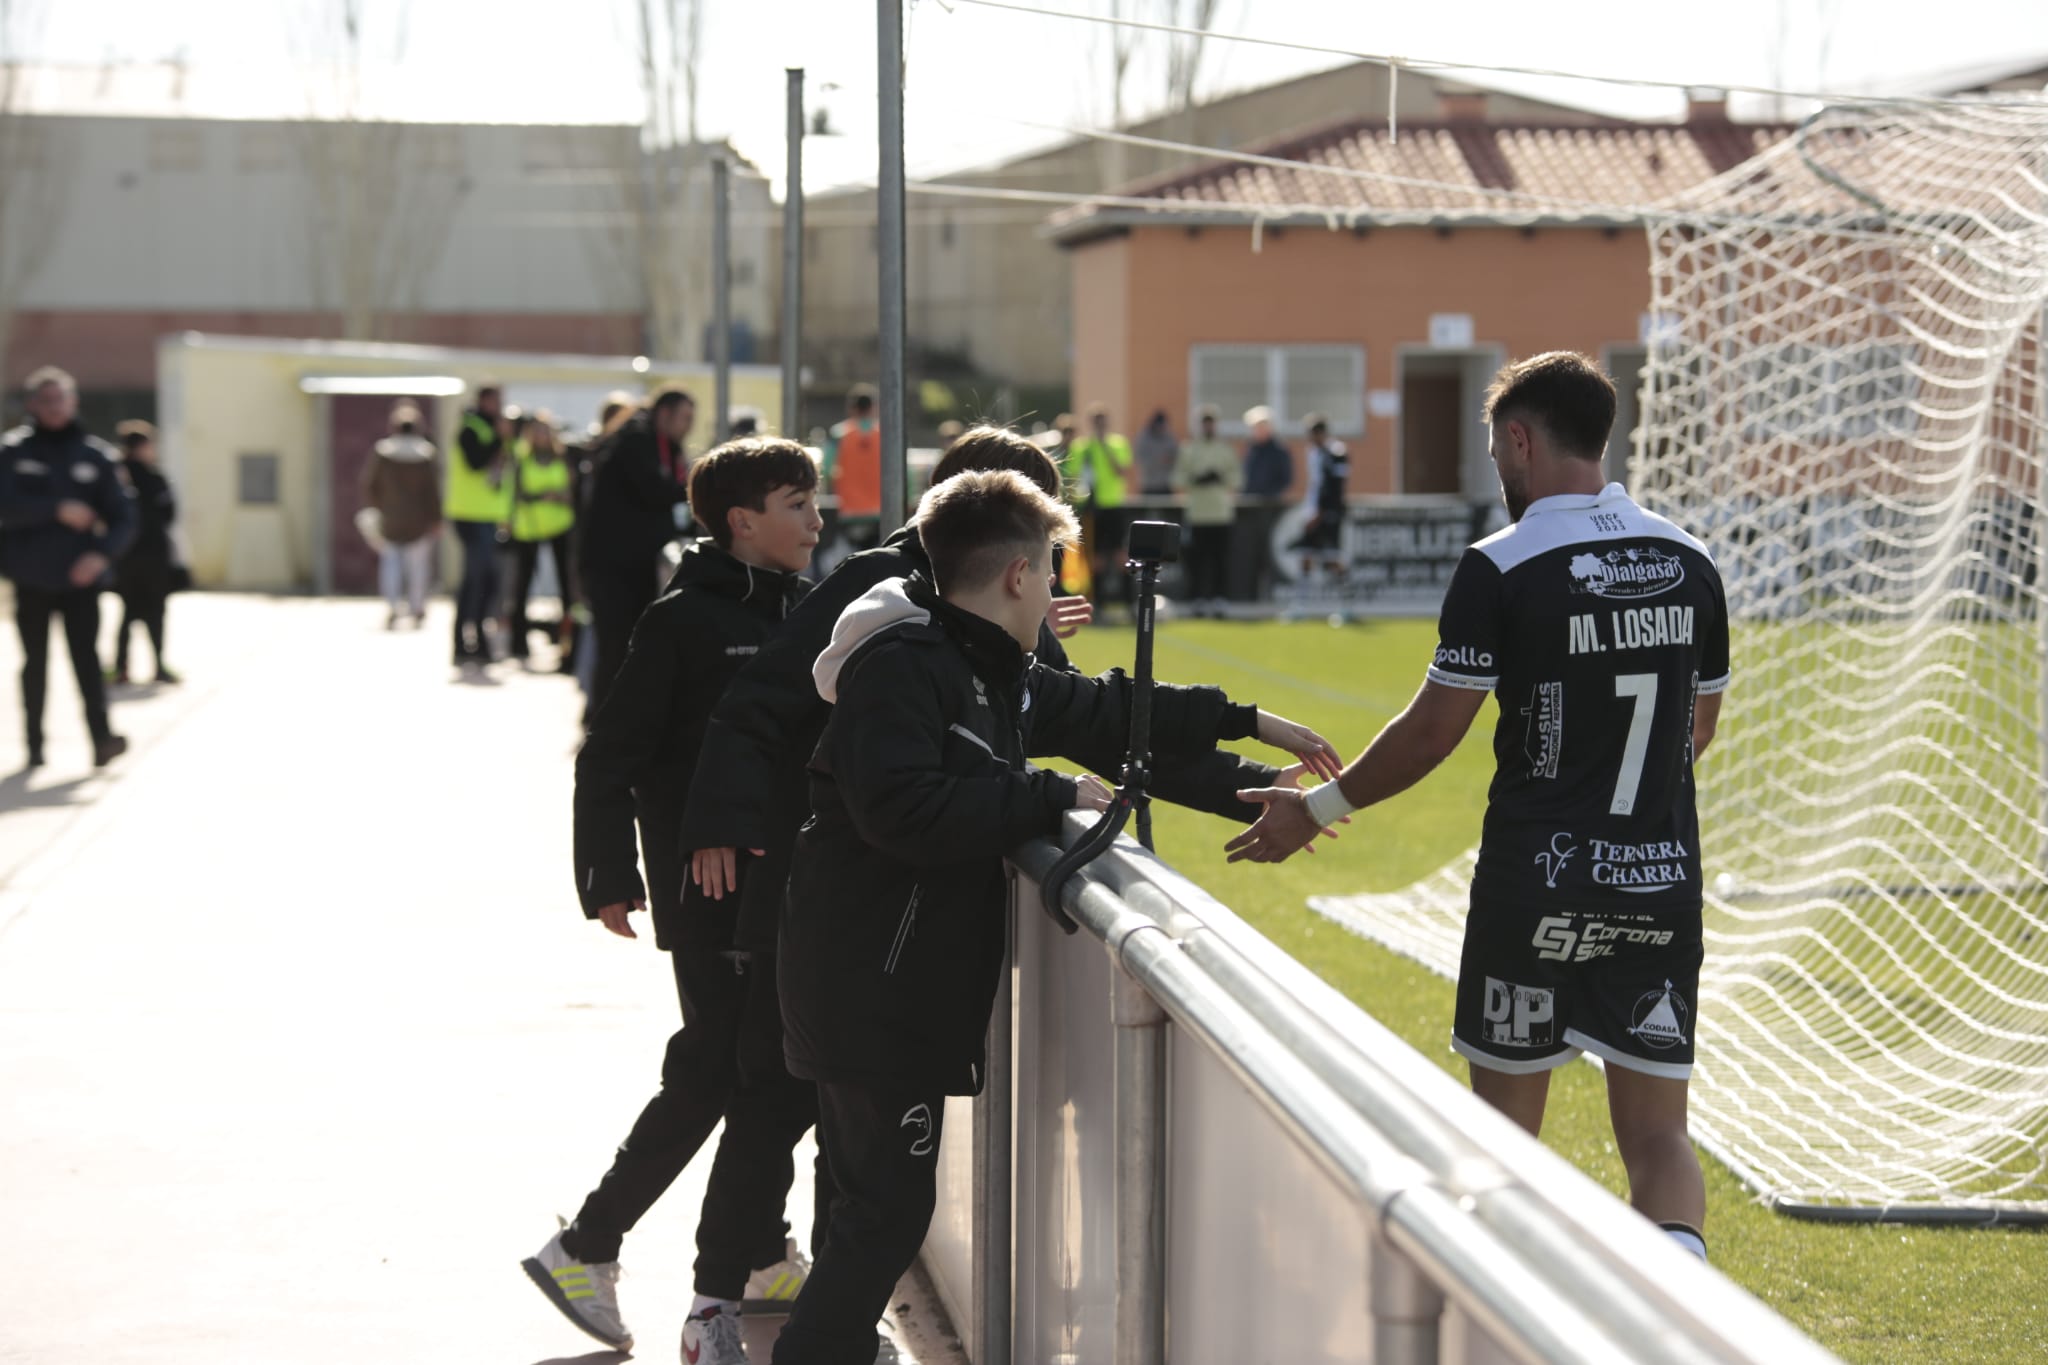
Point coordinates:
[(1602, 631)]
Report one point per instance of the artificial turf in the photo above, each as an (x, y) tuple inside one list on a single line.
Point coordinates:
[(1868, 1292)]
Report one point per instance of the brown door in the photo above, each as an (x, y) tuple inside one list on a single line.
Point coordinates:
[(1430, 448), (355, 423)]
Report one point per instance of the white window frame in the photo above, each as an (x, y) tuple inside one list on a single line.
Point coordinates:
[(1347, 422)]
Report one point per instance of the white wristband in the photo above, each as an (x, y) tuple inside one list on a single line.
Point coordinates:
[(1326, 804)]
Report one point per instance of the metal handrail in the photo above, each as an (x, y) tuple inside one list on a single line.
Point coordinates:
[(1460, 1203)]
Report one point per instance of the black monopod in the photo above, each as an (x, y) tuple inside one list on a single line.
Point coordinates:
[(1152, 543)]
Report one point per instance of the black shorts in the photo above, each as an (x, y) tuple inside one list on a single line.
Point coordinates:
[(1323, 533), (1535, 989)]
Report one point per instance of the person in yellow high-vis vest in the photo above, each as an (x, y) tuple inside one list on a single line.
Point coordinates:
[(543, 514), (477, 504), (1100, 473)]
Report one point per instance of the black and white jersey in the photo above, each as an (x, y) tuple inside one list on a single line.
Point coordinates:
[(1595, 624)]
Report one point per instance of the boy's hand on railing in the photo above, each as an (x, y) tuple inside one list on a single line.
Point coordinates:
[(613, 917), (1068, 615), (716, 870), (1092, 793), (1305, 744), (1284, 829)]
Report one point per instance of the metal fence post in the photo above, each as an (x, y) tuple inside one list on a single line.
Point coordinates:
[(1140, 1117), (793, 264), (1407, 1308), (721, 293), (994, 1179), (889, 243)]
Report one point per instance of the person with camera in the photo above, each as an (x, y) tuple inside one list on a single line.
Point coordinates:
[(1208, 477), (66, 517)]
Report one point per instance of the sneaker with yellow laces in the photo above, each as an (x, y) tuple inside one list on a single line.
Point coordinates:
[(773, 1289), (587, 1295)]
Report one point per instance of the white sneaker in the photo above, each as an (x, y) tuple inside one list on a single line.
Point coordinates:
[(713, 1338), (773, 1289), (588, 1295)]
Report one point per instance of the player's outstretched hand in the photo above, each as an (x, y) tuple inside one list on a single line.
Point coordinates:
[(613, 917), (716, 870), (1092, 793), (1285, 828), (1068, 615), (1305, 744)]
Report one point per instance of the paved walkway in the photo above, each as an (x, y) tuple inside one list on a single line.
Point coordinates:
[(303, 1041)]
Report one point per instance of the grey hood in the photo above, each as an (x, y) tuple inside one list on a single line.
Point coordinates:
[(874, 611)]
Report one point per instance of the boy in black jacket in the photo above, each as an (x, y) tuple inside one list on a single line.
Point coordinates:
[(730, 594), (893, 931)]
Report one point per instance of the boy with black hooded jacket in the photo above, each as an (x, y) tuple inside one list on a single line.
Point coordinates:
[(893, 932), (730, 594)]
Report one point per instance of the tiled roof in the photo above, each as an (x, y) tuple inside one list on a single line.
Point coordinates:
[(1512, 171)]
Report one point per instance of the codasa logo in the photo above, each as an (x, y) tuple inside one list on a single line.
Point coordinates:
[(1462, 656), (1659, 1018), (1643, 571)]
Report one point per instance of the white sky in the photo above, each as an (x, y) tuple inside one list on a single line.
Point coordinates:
[(978, 78)]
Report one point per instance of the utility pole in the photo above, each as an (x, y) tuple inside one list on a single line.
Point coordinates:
[(793, 263), (721, 291), (890, 248)]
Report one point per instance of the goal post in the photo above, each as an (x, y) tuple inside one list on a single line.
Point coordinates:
[(1844, 398)]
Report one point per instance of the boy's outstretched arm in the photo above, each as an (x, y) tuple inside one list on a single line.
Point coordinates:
[(1406, 751), (1087, 720)]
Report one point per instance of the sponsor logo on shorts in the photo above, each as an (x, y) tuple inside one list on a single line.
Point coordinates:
[(1462, 656), (1644, 571), (918, 1119), (1544, 741), (1553, 860), (1559, 939), (1639, 867), (1518, 1016), (1660, 1018)]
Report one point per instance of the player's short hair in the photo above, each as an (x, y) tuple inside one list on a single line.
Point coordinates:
[(132, 435), (49, 374), (1565, 393), (974, 524), (743, 473), (668, 397), (998, 448)]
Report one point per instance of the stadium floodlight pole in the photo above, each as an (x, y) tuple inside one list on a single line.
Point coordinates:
[(793, 262), (721, 291), (889, 241)]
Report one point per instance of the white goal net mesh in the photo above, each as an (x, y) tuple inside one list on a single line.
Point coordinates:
[(1845, 400)]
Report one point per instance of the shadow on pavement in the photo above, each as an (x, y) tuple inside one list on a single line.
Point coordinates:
[(16, 795)]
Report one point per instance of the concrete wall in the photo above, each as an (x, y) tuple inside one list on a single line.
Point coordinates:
[(226, 397), (1550, 289)]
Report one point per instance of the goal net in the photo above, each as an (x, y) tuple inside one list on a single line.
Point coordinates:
[(1845, 399)]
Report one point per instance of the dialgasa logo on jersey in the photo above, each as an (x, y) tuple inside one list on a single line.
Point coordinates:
[(1643, 571)]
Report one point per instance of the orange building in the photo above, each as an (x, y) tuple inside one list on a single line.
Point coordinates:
[(1383, 282)]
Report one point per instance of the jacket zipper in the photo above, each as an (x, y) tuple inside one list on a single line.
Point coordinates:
[(904, 928)]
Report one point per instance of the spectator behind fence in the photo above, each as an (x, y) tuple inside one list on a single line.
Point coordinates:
[(543, 514), (1268, 466), (403, 486), (1100, 472), (65, 517), (148, 572), (853, 469), (1208, 474), (1156, 450), (635, 494), (1329, 480), (1268, 474)]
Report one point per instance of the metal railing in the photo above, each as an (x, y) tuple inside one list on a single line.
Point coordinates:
[(1466, 1221)]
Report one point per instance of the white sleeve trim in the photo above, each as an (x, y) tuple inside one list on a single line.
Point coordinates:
[(1471, 684), (1717, 685)]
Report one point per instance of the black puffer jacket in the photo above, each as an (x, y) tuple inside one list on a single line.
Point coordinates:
[(766, 727), (893, 933), (646, 741), (38, 471), (633, 497)]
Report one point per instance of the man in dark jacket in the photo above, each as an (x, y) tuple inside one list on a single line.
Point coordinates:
[(894, 929), (65, 518), (729, 596), (144, 577), (767, 725), (641, 479)]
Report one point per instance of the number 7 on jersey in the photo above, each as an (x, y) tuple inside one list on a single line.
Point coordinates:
[(1642, 687)]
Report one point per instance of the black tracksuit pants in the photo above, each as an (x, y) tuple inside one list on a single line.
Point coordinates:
[(141, 605), (80, 608), (616, 600), (526, 560), (726, 1063), (882, 1142)]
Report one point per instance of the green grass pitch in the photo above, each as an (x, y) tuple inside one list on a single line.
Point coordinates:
[(1870, 1293)]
